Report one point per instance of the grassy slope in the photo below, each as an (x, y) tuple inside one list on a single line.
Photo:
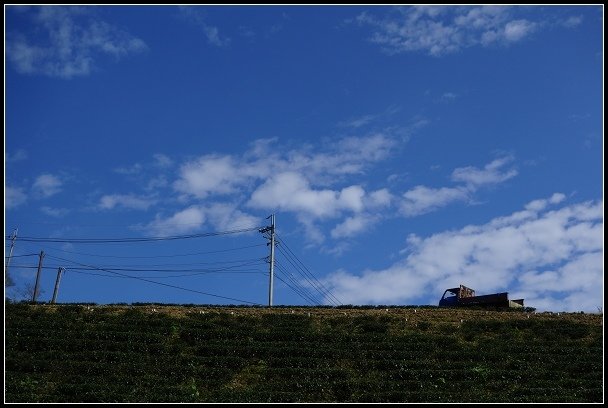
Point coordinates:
[(69, 353)]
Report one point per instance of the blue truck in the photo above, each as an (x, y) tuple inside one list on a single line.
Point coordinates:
[(463, 297)]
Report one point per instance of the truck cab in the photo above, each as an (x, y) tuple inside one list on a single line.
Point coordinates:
[(451, 297)]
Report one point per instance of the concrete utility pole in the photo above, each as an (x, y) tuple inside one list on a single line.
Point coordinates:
[(35, 294), (270, 230), (59, 271), (272, 243), (7, 279)]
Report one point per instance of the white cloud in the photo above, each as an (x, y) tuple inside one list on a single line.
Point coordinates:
[(225, 174), (156, 183), (13, 197), (223, 217), (518, 29), (358, 122), (184, 221), (440, 30), (213, 36), (74, 40), (572, 21), (290, 191), (54, 212), (421, 199), (47, 185), (306, 181), (352, 226), (351, 198), (379, 198), (492, 173), (538, 205), (131, 170), (111, 201), (539, 257), (162, 160), (209, 174), (448, 97), (19, 155), (212, 33)]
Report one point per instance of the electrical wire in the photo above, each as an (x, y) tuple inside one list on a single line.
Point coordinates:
[(322, 287), (19, 256), (297, 290), (160, 256), (161, 283), (124, 269), (306, 292), (133, 239), (310, 282)]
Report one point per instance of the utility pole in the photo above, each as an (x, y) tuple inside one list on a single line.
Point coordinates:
[(270, 230), (35, 294), (59, 271), (7, 279)]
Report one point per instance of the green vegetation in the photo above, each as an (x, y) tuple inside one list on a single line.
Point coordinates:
[(152, 353)]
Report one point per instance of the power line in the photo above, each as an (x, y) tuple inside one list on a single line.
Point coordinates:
[(145, 269), (310, 283), (159, 256), (303, 274), (193, 264), (78, 270), (161, 283), (292, 288), (322, 287), (18, 256), (133, 239), (297, 290), (306, 292), (194, 271)]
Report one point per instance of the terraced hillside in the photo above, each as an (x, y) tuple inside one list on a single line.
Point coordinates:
[(153, 353)]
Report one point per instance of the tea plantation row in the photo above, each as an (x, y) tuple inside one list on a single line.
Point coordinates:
[(153, 353)]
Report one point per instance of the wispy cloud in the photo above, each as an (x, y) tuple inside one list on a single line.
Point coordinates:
[(215, 174), (54, 212), (572, 21), (358, 121), (353, 225), (19, 155), (162, 160), (225, 216), (364, 120), (421, 199), (492, 173), (13, 197), (440, 30), (538, 254), (130, 201), (130, 170), (310, 183), (448, 97), (47, 185), (196, 16), (72, 43)]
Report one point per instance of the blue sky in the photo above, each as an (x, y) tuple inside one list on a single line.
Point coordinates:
[(404, 151)]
